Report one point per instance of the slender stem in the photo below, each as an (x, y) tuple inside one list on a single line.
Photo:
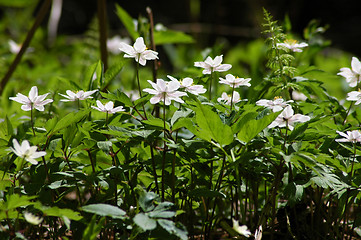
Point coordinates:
[(154, 168), (39, 18), (210, 85), (232, 97), (91, 160), (164, 151), (348, 111), (155, 62), (139, 89), (353, 159), (32, 119), (106, 118)]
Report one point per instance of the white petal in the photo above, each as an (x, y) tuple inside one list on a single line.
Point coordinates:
[(126, 48), (33, 93), (356, 65), (139, 45)]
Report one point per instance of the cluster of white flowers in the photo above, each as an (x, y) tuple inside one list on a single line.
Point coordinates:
[(353, 78)]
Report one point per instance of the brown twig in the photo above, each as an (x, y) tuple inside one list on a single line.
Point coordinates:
[(39, 18)]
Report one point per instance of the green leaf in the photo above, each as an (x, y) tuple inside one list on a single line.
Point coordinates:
[(93, 229), (59, 212), (161, 214), (170, 227), (104, 145), (211, 126), (127, 21), (251, 127), (104, 210), (69, 119), (146, 199), (144, 222), (15, 201), (170, 37), (111, 73), (156, 122), (6, 129)]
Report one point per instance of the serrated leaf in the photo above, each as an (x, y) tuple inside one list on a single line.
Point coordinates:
[(211, 127), (104, 210), (250, 128)]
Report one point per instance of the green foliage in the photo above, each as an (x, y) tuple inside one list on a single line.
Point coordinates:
[(183, 170)]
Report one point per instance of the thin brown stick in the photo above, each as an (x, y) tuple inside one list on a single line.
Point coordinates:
[(102, 19), (39, 18)]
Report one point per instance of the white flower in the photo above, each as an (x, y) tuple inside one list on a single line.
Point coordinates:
[(33, 219), (293, 45), (235, 81), (165, 91), (80, 95), (227, 98), (350, 136), (213, 65), (288, 118), (26, 152), (33, 101), (114, 42), (353, 75), (108, 107), (258, 233), (187, 84), (275, 105), (243, 230), (354, 96), (138, 51)]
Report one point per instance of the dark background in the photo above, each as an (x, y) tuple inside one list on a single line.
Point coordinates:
[(236, 20)]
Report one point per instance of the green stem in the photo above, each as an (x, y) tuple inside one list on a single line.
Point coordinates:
[(210, 86), (164, 151), (139, 89), (32, 119), (348, 111), (232, 97)]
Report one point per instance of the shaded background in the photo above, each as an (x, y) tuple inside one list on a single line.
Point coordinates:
[(236, 20)]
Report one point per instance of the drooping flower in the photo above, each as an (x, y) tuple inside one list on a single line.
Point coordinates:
[(26, 151), (80, 95), (354, 96), (258, 233), (293, 45), (287, 118), (235, 82), (213, 65), (33, 219), (138, 51), (298, 96), (275, 105), (350, 136), (243, 230), (165, 91), (353, 75), (108, 107), (227, 99), (187, 84), (33, 101)]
